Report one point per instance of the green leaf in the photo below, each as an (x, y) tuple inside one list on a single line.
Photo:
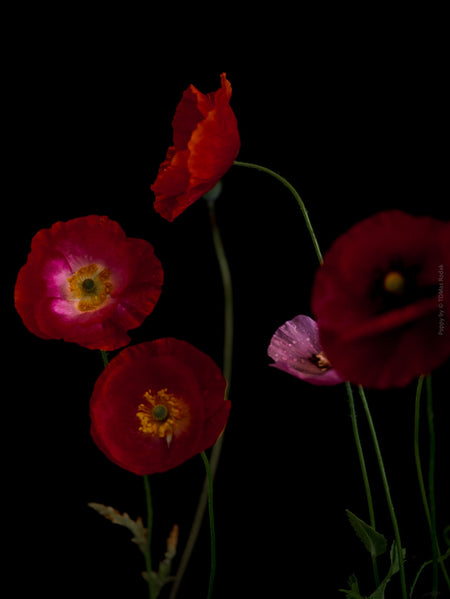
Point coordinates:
[(373, 541), (353, 591), (394, 568)]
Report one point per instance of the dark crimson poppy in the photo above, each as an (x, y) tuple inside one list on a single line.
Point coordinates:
[(157, 404), (205, 144), (86, 282), (382, 299)]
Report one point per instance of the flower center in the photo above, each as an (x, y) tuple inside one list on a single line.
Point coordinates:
[(394, 282), (160, 414), (321, 361), (91, 286), (88, 284)]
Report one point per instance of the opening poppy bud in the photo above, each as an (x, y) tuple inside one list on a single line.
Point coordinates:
[(206, 143)]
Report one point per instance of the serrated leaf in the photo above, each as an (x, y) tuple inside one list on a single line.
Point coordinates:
[(162, 577), (373, 541), (136, 527)]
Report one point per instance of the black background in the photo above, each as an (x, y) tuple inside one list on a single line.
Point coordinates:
[(352, 115)]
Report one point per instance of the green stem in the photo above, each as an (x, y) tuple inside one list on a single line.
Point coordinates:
[(148, 555), (348, 386), (423, 566), (387, 493), (211, 524), (431, 485), (228, 295), (294, 192), (362, 463), (227, 368), (417, 450), (423, 491), (105, 358)]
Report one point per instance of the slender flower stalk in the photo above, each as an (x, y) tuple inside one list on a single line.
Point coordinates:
[(228, 295), (211, 524), (294, 192), (431, 483), (348, 386), (417, 450), (148, 555), (387, 493), (362, 463), (423, 492), (227, 368)]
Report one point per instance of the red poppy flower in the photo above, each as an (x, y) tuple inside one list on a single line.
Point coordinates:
[(205, 144), (86, 282), (158, 404), (382, 299)]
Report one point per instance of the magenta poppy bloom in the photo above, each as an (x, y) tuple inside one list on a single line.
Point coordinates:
[(295, 348), (86, 282)]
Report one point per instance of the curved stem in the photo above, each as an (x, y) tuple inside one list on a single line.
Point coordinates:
[(211, 524), (362, 463), (348, 386), (227, 368), (417, 450), (294, 192), (387, 493), (228, 295), (148, 555), (420, 475)]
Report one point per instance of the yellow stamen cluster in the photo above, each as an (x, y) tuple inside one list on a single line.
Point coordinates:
[(91, 286), (322, 361), (159, 414), (394, 282)]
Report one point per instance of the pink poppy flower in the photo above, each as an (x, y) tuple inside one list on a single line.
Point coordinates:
[(295, 348)]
